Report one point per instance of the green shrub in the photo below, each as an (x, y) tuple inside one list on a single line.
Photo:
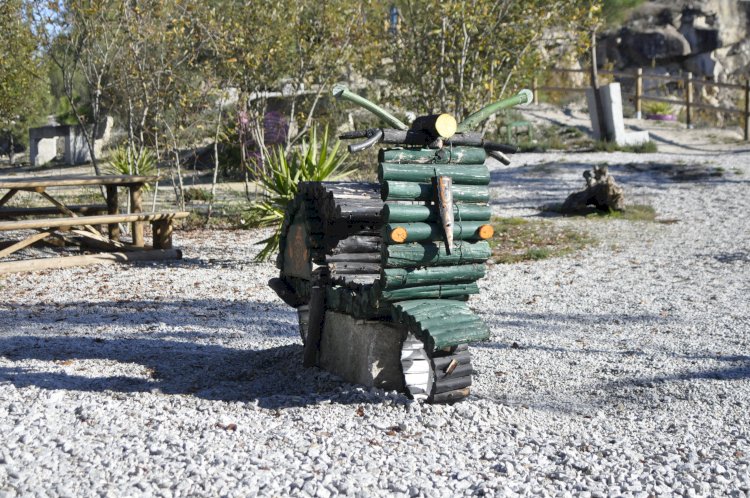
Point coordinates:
[(313, 160), (197, 194)]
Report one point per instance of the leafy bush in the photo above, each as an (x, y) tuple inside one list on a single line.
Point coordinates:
[(662, 108), (197, 194), (313, 160)]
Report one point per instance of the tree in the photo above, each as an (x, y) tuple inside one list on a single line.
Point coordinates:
[(23, 95), (83, 38), (459, 55)]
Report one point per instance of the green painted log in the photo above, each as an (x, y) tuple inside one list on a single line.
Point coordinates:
[(405, 213), (455, 336), (434, 254), (397, 277), (412, 191), (417, 232), (430, 292), (457, 155), (456, 321), (466, 174)]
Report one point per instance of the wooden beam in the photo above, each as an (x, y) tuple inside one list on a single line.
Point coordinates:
[(84, 209), (90, 259), (92, 220), (8, 195), (74, 181), (25, 243)]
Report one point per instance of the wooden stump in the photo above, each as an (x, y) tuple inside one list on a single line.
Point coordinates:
[(601, 192)]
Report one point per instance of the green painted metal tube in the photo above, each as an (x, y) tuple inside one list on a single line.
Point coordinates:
[(456, 155), (342, 92), (406, 213), (523, 97), (412, 191), (396, 278), (434, 254), (417, 232), (430, 292), (465, 174)]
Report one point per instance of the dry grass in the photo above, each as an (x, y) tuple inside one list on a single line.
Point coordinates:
[(520, 239)]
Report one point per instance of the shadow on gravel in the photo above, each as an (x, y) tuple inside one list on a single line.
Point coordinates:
[(200, 347), (273, 377), (213, 315)]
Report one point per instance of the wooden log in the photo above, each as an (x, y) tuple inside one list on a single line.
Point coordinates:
[(358, 243), (404, 213), (443, 186), (394, 278), (451, 396), (354, 267), (417, 232), (360, 257), (315, 325), (432, 254), (412, 191), (458, 155), (89, 259), (467, 174), (463, 358), (25, 243), (436, 125), (430, 292), (452, 383)]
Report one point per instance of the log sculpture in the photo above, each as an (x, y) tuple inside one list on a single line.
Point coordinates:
[(405, 251)]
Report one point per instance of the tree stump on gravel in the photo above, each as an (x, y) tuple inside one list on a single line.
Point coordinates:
[(601, 192)]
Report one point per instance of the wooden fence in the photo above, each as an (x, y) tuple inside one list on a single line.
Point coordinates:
[(687, 81)]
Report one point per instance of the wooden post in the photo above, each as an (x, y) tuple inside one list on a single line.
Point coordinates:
[(747, 110), (315, 324), (113, 208), (162, 231), (136, 206), (638, 92), (535, 90), (603, 135), (689, 100)]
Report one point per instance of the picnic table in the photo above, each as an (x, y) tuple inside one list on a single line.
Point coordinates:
[(59, 217)]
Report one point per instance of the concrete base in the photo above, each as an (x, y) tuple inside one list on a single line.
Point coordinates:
[(362, 351), (612, 116)]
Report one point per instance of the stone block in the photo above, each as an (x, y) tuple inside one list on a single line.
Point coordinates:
[(366, 352), (611, 99)]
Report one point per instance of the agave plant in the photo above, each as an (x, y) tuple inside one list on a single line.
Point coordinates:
[(122, 162), (313, 160)]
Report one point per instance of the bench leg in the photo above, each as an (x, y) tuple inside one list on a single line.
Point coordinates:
[(136, 206), (162, 230), (112, 208)]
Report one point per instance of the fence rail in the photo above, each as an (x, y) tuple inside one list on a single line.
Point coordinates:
[(687, 81)]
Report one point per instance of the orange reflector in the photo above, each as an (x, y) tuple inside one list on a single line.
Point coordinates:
[(486, 232), (398, 235)]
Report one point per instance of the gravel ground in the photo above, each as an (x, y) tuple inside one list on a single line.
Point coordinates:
[(619, 370)]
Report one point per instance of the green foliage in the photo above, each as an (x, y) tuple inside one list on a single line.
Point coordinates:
[(644, 148), (662, 108), (197, 194), (452, 56), (520, 239), (615, 11), (123, 161), (313, 160)]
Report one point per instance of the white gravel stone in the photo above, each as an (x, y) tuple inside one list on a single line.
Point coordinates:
[(631, 374)]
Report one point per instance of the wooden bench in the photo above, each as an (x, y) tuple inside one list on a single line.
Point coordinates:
[(161, 223)]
